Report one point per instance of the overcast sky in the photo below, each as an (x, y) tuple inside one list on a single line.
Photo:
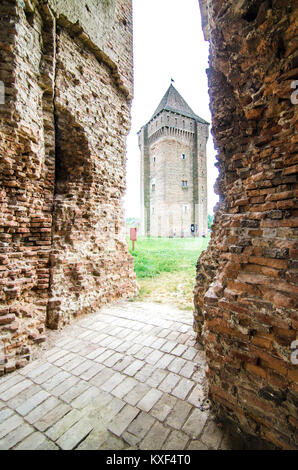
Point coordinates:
[(168, 43)]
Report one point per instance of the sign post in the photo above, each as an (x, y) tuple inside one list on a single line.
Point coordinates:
[(133, 237)]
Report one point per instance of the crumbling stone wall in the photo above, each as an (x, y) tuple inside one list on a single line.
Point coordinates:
[(246, 308), (67, 70)]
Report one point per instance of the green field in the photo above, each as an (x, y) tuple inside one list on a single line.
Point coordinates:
[(165, 268), (154, 256)]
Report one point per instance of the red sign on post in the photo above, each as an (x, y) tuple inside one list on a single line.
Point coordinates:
[(133, 237), (133, 234)]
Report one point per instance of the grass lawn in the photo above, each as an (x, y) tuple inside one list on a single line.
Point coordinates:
[(165, 269)]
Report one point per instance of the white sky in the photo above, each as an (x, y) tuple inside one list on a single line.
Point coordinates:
[(168, 43)]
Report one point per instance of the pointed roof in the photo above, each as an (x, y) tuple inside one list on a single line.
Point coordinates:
[(173, 101)]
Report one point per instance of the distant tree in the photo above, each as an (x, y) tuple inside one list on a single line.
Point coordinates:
[(132, 221), (210, 220)]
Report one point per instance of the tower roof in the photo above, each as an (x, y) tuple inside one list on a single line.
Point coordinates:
[(173, 101)]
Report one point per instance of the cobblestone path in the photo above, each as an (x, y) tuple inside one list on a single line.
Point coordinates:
[(128, 377)]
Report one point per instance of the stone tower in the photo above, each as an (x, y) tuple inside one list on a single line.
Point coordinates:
[(173, 170)]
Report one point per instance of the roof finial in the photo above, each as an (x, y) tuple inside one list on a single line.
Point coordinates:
[(172, 80)]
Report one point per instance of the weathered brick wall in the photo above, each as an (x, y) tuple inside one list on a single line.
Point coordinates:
[(249, 313), (62, 149), (90, 259), (206, 270)]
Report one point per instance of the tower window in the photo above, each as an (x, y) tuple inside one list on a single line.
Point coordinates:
[(153, 185), (154, 159), (153, 210), (184, 184), (185, 208), (183, 156)]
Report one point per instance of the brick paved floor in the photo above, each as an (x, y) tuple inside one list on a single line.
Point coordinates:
[(128, 377)]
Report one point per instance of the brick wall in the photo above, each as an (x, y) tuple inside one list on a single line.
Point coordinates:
[(246, 293), (62, 147)]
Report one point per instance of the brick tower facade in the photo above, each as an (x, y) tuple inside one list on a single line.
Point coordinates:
[(173, 170)]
